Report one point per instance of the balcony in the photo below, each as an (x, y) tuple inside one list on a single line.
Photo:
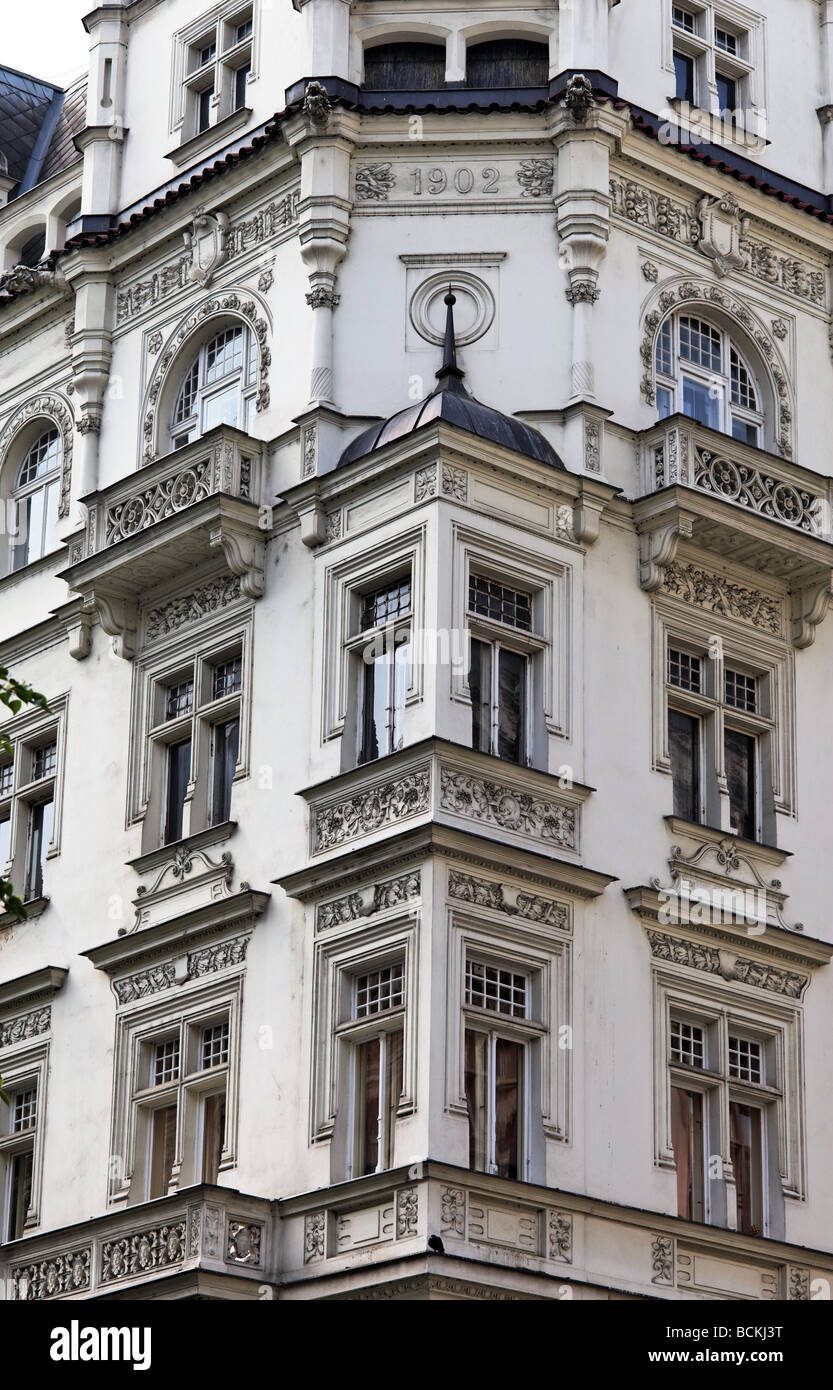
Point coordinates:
[(157, 526), (742, 504)]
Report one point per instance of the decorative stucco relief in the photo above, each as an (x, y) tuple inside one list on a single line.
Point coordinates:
[(723, 596), (507, 808), (726, 964), (515, 903)]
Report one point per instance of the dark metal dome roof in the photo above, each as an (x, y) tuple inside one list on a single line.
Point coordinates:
[(450, 401)]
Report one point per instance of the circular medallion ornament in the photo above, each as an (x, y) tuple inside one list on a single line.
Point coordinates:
[(474, 310)]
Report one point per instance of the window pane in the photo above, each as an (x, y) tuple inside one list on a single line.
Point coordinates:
[(44, 760), (225, 740), (163, 1137), (222, 408), (381, 606), (241, 78), (746, 1150), (684, 78), (37, 512), (508, 1084), (687, 1138), (477, 1045), (213, 1133), (368, 1059), (51, 496), (393, 1090), (204, 109), (684, 670), (727, 93), (700, 343), (480, 681), (684, 752), (24, 1110), (224, 355), (19, 540), (20, 1193), (165, 1062), (740, 758), (179, 770), (743, 391), (683, 19), (40, 834), (401, 679), (42, 458), (5, 842), (179, 699), (511, 732), (214, 1045), (745, 1059), (379, 990), (687, 1044), (501, 604), (700, 404), (186, 400), (227, 678), (502, 991), (744, 431), (374, 714), (741, 690), (663, 353), (664, 402), (725, 41)]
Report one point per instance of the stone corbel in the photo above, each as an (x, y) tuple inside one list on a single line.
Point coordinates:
[(808, 608), (313, 518), (79, 632), (587, 518), (245, 555), (657, 550), (119, 619)]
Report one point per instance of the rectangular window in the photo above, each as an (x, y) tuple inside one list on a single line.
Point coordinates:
[(725, 41), (378, 1086), (684, 735), (741, 691), (5, 841), (386, 679), (684, 77), (227, 678), (684, 670), (664, 348), (44, 761), (688, 1139), (379, 990), (683, 19), (741, 758), (494, 1076), (664, 402), (162, 1149), (498, 689), (225, 743), (745, 1059), (502, 991), (204, 109), (687, 1044), (243, 31), (6, 777), (39, 836), (165, 1062), (241, 82), (213, 1135), (746, 1131), (700, 403), (24, 1110), (180, 699), (384, 605), (179, 771), (500, 603), (20, 1193), (727, 93), (214, 1046)]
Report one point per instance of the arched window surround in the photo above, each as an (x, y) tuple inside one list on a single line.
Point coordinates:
[(701, 371), (28, 423), (758, 345), (212, 316)]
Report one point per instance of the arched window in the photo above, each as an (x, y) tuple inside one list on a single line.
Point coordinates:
[(405, 67), (508, 63), (36, 495), (218, 388), (701, 373)]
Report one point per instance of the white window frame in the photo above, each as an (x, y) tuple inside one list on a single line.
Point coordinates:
[(197, 651), (139, 1025), (188, 79), (718, 383), (723, 1008), (23, 1068), (49, 484), (388, 637), (27, 733), (744, 648), (747, 67), (192, 427)]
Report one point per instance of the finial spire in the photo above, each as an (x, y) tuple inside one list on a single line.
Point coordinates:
[(450, 374)]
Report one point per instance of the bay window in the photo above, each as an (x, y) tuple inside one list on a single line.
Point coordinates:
[(373, 1037), (499, 1037), (502, 651), (383, 643)]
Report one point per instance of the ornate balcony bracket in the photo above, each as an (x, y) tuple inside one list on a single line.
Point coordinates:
[(658, 549), (155, 527), (808, 608)]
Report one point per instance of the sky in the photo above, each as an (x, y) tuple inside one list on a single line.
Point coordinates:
[(45, 38)]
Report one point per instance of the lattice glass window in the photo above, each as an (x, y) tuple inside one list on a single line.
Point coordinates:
[(227, 678), (700, 343), (180, 699), (726, 41), (500, 603), (684, 670), (741, 691), (218, 388), (43, 457), (6, 777), (743, 392), (224, 355), (664, 349), (188, 394), (214, 1045), (165, 1061), (745, 1059), (687, 1044), (35, 501), (379, 990), (683, 19), (44, 760), (384, 605), (500, 991), (24, 1110)]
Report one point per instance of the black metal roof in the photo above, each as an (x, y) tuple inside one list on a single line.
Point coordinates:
[(450, 401), (37, 124)]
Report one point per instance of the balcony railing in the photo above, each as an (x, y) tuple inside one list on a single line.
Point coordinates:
[(681, 451)]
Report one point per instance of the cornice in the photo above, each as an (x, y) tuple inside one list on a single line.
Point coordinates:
[(29, 989), (181, 934)]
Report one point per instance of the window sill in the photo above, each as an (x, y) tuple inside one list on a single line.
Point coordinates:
[(34, 907), (704, 127), (201, 839), (191, 149)]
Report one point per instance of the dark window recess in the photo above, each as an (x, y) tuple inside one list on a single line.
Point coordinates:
[(687, 1139), (684, 751), (405, 67), (204, 110), (241, 78), (504, 735), (747, 1161), (684, 76), (508, 63), (727, 93), (225, 740), (20, 1193), (163, 1136), (213, 1135), (179, 770), (500, 603), (740, 757), (383, 605), (510, 706), (40, 833), (480, 690), (32, 252)]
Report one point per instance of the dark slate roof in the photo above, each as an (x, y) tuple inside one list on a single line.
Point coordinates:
[(453, 403), (37, 124), (62, 152)]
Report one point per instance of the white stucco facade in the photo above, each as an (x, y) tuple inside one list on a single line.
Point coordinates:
[(240, 557)]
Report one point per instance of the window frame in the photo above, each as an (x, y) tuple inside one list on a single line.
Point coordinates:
[(23, 1068), (244, 378), (395, 637), (672, 381), (28, 733), (745, 66), (49, 485), (190, 77)]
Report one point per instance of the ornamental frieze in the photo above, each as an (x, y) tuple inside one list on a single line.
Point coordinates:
[(484, 893), (157, 1248), (190, 608), (215, 241), (68, 1272), (31, 1025), (371, 810), (441, 181), (364, 903), (692, 224), (727, 965), (502, 806), (160, 977), (723, 597)]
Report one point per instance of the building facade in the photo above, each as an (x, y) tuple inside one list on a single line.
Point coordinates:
[(414, 429)]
